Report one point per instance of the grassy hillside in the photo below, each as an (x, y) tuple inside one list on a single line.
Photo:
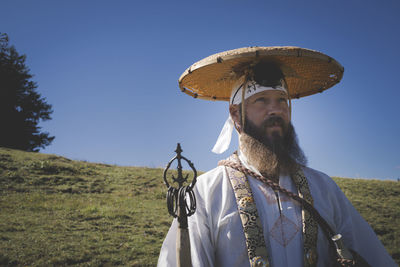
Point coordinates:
[(55, 211)]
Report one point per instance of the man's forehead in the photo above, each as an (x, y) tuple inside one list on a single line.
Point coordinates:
[(270, 93)]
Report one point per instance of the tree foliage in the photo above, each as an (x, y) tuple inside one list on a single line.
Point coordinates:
[(21, 106)]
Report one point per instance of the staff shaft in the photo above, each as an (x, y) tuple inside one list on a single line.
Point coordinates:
[(183, 248)]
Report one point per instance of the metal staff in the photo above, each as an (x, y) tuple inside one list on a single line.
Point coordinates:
[(181, 203)]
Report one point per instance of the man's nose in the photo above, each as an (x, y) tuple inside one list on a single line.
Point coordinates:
[(275, 110)]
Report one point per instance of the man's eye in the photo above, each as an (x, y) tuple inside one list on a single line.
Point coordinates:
[(282, 99), (261, 99)]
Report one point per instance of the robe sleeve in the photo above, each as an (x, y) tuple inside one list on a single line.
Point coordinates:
[(201, 245), (358, 234)]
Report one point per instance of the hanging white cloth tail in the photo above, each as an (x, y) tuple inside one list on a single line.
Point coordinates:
[(224, 138)]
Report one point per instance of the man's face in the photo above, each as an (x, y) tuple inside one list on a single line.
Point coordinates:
[(268, 111), (267, 120)]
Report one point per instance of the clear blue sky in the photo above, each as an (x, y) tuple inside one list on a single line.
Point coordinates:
[(110, 70)]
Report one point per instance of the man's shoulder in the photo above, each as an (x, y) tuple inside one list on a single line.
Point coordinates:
[(315, 173), (211, 178), (213, 175), (318, 178), (323, 188), (218, 170)]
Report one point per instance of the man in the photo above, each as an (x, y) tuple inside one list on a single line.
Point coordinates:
[(243, 218)]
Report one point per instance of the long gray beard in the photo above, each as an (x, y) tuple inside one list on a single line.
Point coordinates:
[(259, 156)]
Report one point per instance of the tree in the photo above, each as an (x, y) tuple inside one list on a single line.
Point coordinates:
[(21, 106)]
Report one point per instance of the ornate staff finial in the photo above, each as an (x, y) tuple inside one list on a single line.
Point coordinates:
[(181, 203)]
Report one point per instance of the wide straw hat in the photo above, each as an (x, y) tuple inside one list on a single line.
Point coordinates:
[(306, 71)]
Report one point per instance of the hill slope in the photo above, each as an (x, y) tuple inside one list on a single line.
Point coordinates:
[(55, 211)]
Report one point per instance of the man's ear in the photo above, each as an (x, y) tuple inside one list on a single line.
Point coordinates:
[(235, 115)]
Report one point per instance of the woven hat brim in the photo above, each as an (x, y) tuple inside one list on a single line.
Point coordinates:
[(306, 71)]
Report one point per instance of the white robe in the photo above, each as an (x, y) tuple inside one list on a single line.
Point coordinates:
[(216, 232)]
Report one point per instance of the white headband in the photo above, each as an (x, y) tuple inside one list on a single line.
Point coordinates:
[(224, 138), (252, 88)]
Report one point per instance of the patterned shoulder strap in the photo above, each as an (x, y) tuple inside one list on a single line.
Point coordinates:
[(251, 223), (311, 218), (310, 225), (252, 227)]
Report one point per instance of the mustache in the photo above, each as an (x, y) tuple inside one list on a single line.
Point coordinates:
[(273, 121)]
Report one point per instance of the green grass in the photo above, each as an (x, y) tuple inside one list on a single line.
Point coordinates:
[(379, 203), (55, 211)]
